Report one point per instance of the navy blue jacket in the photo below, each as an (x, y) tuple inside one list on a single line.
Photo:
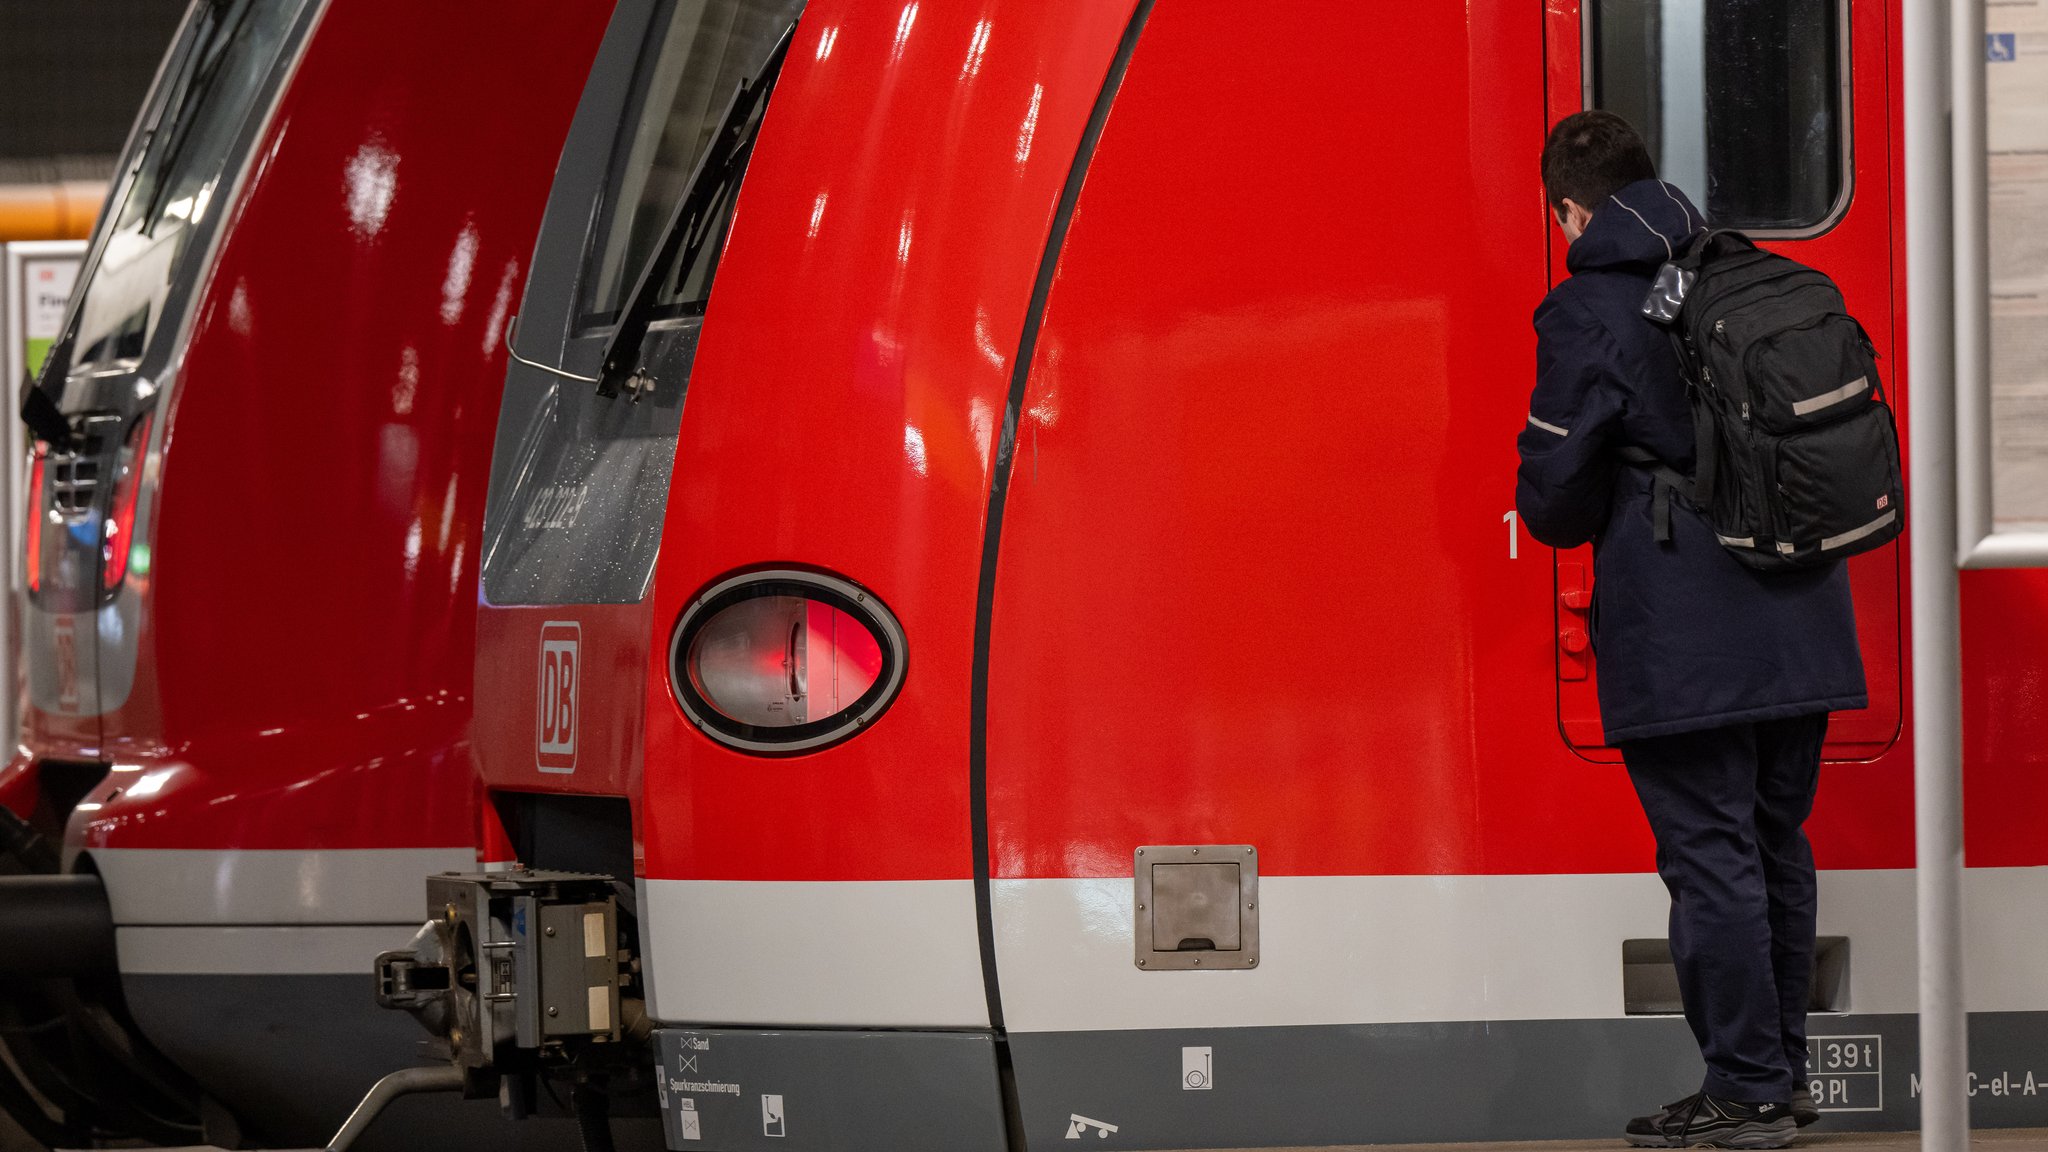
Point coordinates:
[(1687, 637)]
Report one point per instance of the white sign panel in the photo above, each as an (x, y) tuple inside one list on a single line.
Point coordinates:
[(38, 285), (2016, 79)]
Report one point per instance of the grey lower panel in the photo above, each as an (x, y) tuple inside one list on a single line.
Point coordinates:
[(725, 1090), (292, 1055), (1454, 1082)]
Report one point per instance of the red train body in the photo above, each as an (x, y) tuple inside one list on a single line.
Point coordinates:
[(1079, 432), (264, 721)]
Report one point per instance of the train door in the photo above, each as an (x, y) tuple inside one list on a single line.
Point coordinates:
[(96, 406), (1773, 116), (604, 341), (1284, 848)]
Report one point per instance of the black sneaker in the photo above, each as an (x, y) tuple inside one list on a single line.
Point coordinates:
[(1803, 1111), (1703, 1121)]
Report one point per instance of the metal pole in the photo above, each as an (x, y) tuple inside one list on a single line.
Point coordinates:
[(1937, 224)]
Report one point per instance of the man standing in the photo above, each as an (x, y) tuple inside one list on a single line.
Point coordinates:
[(1715, 680)]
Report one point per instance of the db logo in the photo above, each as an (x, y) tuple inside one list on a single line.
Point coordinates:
[(555, 730)]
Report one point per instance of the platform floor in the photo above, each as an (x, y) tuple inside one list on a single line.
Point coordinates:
[(1993, 1139), (2001, 1139), (1996, 1139)]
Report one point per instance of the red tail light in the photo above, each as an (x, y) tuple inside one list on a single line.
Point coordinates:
[(32, 531), (119, 537)]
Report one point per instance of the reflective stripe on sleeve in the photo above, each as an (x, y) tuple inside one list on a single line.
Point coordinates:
[(1547, 426)]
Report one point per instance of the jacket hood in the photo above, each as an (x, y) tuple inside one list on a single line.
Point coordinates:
[(1641, 226)]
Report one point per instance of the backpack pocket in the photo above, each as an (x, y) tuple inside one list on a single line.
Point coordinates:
[(1838, 488), (1815, 371), (1735, 505)]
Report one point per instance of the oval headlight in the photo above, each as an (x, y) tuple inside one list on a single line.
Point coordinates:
[(785, 661)]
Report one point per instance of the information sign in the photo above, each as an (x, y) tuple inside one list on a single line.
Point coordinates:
[(2016, 89)]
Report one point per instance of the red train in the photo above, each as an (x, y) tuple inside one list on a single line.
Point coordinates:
[(1000, 505), (251, 562)]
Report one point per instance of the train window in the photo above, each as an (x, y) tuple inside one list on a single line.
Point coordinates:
[(215, 77), (580, 479), (785, 661), (1741, 101), (681, 90)]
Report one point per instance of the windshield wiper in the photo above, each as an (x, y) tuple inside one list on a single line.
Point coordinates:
[(691, 226), (191, 105)]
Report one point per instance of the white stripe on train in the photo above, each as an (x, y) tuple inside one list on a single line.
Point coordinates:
[(1335, 950)]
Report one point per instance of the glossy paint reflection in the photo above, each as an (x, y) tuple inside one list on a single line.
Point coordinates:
[(842, 406), (308, 599)]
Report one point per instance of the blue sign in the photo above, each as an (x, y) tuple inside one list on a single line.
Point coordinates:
[(1999, 48)]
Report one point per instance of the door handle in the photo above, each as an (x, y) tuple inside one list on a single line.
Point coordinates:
[(1574, 629)]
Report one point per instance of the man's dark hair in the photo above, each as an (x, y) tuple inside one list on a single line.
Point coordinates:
[(1589, 157)]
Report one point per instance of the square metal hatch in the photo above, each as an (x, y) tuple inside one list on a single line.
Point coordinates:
[(1195, 907)]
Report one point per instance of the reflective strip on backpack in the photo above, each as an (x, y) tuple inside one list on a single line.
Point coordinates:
[(1829, 399), (1855, 534), (1547, 426), (1736, 541)]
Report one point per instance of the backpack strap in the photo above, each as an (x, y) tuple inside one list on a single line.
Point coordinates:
[(1705, 461), (1706, 241), (1664, 481)]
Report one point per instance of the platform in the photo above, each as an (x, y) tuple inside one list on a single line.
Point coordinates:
[(2002, 1139)]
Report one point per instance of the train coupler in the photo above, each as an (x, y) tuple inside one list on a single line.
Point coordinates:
[(514, 970)]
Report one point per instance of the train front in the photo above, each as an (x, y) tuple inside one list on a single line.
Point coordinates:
[(254, 509)]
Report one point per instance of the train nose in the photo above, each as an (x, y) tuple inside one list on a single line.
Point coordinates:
[(55, 926)]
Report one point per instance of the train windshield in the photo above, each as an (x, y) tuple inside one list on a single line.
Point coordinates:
[(178, 165), (688, 80), (580, 480)]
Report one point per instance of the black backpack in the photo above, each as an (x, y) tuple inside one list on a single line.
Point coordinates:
[(1796, 453)]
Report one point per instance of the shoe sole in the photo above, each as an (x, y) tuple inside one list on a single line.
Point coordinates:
[(1778, 1135)]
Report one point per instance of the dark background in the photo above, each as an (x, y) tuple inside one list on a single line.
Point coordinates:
[(73, 74)]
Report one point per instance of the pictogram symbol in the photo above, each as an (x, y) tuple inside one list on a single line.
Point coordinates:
[(1077, 1124)]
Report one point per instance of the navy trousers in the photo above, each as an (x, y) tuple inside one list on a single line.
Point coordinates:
[(1726, 806)]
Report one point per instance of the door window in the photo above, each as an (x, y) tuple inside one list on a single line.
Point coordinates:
[(1740, 101)]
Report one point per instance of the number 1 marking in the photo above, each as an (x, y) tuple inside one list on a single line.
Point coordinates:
[(1514, 537)]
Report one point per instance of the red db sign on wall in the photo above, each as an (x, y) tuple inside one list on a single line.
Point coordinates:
[(561, 659)]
